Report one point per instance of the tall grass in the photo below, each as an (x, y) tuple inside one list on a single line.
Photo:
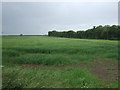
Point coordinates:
[(46, 78), (55, 51), (52, 51)]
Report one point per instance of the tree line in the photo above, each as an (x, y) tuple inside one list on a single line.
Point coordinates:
[(97, 32)]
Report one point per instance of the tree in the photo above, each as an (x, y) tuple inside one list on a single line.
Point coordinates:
[(99, 32), (21, 34)]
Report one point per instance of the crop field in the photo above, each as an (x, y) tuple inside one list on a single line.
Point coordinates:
[(52, 62)]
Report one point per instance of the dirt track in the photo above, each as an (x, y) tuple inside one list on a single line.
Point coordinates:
[(104, 70)]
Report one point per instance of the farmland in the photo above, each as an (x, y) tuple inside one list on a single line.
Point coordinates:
[(52, 62)]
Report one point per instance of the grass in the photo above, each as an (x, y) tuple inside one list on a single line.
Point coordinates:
[(51, 51), (49, 78)]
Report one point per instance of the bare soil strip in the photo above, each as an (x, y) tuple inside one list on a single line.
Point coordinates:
[(104, 70)]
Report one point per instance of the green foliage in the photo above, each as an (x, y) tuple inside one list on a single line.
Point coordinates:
[(47, 78), (53, 52), (99, 32), (10, 53), (10, 79)]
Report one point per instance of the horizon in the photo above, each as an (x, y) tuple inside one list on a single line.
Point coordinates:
[(48, 31)]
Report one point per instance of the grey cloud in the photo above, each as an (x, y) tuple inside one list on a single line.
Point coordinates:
[(39, 18)]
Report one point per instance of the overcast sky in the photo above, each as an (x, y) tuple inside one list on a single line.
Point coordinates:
[(41, 17)]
